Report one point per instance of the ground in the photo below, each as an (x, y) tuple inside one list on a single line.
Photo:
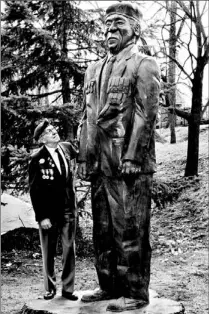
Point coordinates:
[(178, 234)]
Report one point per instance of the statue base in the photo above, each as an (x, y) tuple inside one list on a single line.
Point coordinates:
[(60, 305)]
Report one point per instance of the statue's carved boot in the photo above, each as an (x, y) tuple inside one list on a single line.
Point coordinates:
[(125, 304), (97, 295)]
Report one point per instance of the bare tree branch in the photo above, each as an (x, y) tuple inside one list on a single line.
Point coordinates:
[(199, 17), (199, 38), (45, 94), (181, 27), (56, 98), (204, 121), (206, 55), (183, 114), (185, 9), (49, 93), (157, 12), (205, 108), (181, 67), (189, 50)]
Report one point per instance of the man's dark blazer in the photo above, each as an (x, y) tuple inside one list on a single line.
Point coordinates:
[(51, 194)]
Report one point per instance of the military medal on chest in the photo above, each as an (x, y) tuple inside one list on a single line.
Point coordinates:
[(51, 163), (47, 174), (43, 173), (51, 174)]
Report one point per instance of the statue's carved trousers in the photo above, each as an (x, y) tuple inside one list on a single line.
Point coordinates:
[(121, 225)]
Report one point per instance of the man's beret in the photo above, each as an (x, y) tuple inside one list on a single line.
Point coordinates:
[(126, 9), (40, 128)]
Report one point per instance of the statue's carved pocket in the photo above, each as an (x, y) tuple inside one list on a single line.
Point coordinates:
[(119, 89)]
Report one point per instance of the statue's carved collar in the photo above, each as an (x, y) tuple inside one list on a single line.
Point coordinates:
[(126, 53)]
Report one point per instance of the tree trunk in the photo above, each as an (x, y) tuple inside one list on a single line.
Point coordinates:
[(172, 123), (172, 70), (194, 125), (64, 75)]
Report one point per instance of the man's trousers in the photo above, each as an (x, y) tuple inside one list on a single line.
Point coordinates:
[(121, 226), (48, 239)]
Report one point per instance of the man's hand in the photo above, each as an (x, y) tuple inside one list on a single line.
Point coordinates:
[(129, 167), (82, 170), (46, 224)]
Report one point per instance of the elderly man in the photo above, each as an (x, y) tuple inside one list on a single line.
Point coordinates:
[(117, 154), (53, 199)]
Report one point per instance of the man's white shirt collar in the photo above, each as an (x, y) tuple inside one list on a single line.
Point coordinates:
[(55, 156), (51, 149)]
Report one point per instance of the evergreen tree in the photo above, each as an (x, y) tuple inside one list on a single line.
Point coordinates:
[(46, 46)]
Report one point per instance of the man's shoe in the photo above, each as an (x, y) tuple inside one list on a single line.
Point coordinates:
[(125, 304), (97, 295), (69, 296), (49, 295)]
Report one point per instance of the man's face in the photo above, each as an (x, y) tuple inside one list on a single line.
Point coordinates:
[(118, 32), (50, 135)]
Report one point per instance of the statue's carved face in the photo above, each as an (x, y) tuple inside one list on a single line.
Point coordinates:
[(118, 32)]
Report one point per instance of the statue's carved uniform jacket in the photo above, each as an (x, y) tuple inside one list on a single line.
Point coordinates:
[(118, 125), (122, 128)]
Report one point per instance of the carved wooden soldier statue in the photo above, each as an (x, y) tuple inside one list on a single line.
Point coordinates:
[(117, 154)]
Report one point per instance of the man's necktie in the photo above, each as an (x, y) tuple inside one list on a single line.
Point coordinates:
[(62, 164), (105, 80)]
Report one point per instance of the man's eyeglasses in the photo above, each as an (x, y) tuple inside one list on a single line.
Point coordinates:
[(50, 131)]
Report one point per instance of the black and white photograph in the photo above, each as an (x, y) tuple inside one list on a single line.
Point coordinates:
[(104, 157)]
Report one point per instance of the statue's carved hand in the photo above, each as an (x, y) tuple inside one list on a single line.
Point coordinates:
[(82, 170), (129, 167)]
